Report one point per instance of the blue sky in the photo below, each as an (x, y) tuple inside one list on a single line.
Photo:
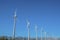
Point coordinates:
[(43, 13)]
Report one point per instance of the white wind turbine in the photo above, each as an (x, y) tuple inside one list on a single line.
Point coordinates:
[(45, 35), (28, 27), (36, 32), (14, 27), (41, 32)]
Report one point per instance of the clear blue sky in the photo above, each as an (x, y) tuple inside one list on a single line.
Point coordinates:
[(43, 13)]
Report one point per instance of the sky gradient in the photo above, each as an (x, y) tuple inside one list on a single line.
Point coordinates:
[(43, 13)]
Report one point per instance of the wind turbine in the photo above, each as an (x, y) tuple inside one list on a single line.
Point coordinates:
[(14, 27), (41, 32), (28, 27), (45, 35), (36, 32)]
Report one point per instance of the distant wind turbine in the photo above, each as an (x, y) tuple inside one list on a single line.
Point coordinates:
[(14, 27), (28, 27), (45, 35), (41, 33), (36, 32)]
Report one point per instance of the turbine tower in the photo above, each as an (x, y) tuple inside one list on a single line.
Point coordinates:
[(41, 32), (45, 35), (28, 27), (36, 32), (14, 27)]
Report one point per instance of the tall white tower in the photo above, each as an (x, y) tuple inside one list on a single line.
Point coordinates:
[(28, 27), (41, 32), (14, 27), (36, 32), (45, 35)]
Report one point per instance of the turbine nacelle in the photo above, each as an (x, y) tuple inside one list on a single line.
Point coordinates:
[(28, 24)]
